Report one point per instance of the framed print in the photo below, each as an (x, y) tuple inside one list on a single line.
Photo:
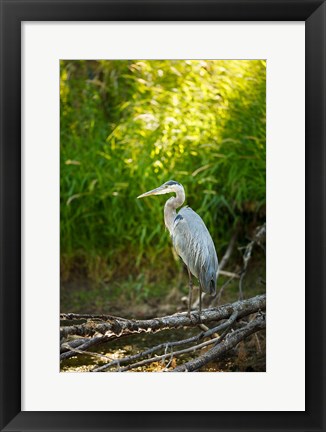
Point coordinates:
[(161, 73)]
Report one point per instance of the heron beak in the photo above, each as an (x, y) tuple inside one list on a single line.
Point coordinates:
[(158, 191)]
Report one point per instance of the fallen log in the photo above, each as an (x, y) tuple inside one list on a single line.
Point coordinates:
[(99, 329), (116, 326)]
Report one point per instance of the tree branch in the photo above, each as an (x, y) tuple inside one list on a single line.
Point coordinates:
[(167, 345), (115, 327), (230, 342), (85, 345), (259, 238)]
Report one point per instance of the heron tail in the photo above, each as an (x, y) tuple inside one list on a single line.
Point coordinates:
[(212, 287)]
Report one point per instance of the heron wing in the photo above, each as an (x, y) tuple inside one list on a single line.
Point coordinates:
[(193, 243)]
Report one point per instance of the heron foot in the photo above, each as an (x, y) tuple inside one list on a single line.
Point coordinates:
[(194, 317)]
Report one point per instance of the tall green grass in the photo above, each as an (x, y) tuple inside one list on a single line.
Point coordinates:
[(128, 126)]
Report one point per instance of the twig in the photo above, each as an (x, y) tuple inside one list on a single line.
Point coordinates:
[(216, 340), (92, 354), (75, 343), (83, 347), (169, 362), (226, 325), (229, 274), (165, 346), (229, 250), (257, 343), (259, 238), (175, 354)]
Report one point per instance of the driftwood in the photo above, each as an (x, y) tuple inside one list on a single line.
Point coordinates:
[(232, 323)]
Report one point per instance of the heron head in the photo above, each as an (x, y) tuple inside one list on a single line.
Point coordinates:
[(167, 187)]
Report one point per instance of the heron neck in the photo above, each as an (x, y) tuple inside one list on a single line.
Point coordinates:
[(170, 208)]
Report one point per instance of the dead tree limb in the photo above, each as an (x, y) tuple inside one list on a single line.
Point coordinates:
[(68, 349), (92, 354), (259, 238), (231, 275), (172, 354), (168, 345), (78, 317), (97, 332), (229, 250), (230, 342), (115, 327)]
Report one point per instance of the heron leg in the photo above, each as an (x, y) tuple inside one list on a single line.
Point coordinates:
[(200, 291), (190, 293)]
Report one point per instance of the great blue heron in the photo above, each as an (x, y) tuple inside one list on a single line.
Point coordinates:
[(190, 238)]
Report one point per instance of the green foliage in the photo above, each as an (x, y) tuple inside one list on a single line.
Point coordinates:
[(128, 126)]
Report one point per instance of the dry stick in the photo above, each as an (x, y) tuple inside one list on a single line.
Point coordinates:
[(165, 356), (257, 343), (118, 327), (98, 340), (229, 250), (146, 352), (175, 354), (225, 326), (215, 314), (75, 317), (214, 341), (259, 238), (233, 339), (168, 345), (89, 353), (75, 343), (84, 346), (229, 274), (246, 259), (169, 362)]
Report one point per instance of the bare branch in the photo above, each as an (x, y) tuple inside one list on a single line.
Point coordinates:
[(77, 317), (229, 250), (225, 326), (229, 274), (92, 354), (113, 328), (175, 354), (259, 238), (84, 346), (165, 346), (217, 351)]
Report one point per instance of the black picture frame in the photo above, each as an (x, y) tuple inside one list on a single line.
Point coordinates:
[(13, 13)]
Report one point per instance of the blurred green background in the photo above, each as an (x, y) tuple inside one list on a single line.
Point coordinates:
[(127, 126)]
